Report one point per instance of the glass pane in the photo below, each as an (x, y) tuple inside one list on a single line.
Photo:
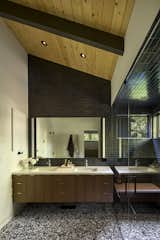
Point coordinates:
[(158, 119), (95, 137), (122, 124), (139, 126), (155, 127), (86, 136), (91, 136)]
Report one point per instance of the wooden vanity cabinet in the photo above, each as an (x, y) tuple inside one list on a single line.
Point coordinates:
[(43, 188), (97, 188), (28, 188), (62, 188)]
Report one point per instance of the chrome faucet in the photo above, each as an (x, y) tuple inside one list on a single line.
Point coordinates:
[(49, 163), (86, 163), (68, 163), (136, 163)]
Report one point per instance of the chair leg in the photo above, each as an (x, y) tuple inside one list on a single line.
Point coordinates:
[(133, 209)]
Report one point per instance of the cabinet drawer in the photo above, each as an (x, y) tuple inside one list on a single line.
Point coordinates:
[(18, 178), (64, 188), (19, 197), (104, 183)]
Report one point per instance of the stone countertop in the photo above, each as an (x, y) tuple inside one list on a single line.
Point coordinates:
[(90, 170), (129, 170)]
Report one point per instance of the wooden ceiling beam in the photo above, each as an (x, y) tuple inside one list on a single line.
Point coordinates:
[(62, 27)]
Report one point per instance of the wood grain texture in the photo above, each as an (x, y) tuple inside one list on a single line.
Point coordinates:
[(58, 91), (63, 27), (65, 51), (106, 15), (62, 189)]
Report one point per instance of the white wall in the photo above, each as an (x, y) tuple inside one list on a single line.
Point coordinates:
[(13, 94), (56, 143), (144, 13)]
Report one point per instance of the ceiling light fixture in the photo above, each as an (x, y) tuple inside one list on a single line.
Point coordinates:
[(44, 43), (83, 55)]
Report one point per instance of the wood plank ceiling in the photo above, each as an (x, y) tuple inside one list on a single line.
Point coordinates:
[(106, 15)]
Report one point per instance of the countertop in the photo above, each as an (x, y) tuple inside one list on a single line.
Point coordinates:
[(129, 170), (90, 170)]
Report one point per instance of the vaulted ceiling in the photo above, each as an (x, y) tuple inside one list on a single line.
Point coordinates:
[(110, 16)]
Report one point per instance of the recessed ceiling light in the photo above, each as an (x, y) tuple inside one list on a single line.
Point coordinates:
[(44, 43), (83, 55)]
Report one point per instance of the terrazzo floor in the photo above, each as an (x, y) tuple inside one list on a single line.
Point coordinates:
[(85, 222)]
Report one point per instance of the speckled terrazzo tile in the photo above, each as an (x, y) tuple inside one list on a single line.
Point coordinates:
[(87, 222), (141, 227)]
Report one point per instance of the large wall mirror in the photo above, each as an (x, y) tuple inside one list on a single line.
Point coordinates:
[(76, 137)]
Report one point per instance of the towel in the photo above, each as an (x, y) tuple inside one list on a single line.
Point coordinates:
[(70, 146)]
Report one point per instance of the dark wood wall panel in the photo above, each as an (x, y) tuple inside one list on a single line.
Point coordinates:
[(55, 90)]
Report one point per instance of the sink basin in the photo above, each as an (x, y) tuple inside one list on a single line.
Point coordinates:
[(65, 169), (142, 169), (68, 170), (137, 168), (38, 169), (76, 169), (85, 169)]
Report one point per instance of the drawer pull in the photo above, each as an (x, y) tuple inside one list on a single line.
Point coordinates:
[(18, 183), (105, 183), (19, 193)]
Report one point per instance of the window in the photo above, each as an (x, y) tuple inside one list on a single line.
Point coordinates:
[(130, 130), (136, 126), (139, 127), (91, 136), (91, 144)]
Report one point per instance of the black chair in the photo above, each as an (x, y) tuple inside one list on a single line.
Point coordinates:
[(130, 189)]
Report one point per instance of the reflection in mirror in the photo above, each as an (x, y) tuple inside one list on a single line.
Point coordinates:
[(91, 143), (68, 137)]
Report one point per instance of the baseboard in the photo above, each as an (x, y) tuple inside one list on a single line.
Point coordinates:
[(5, 222)]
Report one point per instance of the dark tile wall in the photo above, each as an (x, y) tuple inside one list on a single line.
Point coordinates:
[(142, 150), (156, 145), (59, 91), (76, 162)]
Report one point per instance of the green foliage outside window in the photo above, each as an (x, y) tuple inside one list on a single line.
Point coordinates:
[(139, 126)]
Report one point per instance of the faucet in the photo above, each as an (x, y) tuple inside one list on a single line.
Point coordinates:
[(155, 164), (136, 163), (86, 163), (49, 163), (68, 163)]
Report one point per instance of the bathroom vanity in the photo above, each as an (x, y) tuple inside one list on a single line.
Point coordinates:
[(63, 185)]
